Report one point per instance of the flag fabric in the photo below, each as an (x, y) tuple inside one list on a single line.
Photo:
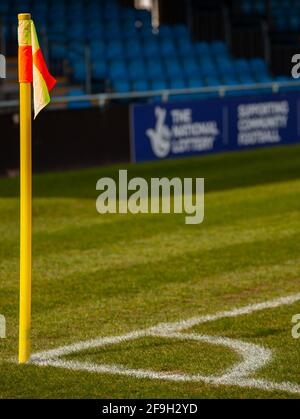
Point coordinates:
[(32, 67)]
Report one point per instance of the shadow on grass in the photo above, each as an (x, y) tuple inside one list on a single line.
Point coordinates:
[(221, 172)]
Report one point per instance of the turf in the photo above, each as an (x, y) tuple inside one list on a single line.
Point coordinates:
[(105, 275)]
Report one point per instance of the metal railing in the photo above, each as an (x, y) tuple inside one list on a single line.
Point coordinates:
[(102, 99)]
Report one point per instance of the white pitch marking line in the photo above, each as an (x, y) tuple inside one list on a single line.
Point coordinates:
[(89, 344), (194, 321), (164, 327), (153, 375), (254, 356)]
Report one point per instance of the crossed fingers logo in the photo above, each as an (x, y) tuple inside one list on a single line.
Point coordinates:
[(161, 136)]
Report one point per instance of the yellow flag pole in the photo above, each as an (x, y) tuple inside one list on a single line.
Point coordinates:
[(26, 216)]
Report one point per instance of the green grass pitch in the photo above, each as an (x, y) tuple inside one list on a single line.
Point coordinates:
[(109, 275)]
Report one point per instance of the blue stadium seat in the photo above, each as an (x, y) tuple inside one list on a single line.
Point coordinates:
[(219, 48), (178, 83), (57, 26), (58, 51), (141, 85), (93, 15), (79, 72), (165, 31), (97, 49), (133, 48), (117, 70), (242, 66), (76, 32), (75, 57), (114, 50), (112, 31), (127, 14), (99, 70), (151, 48), (111, 13), (173, 68), (154, 69), (258, 65), (212, 81), (194, 82), (95, 33), (208, 68), (263, 78), (185, 47), (56, 37), (180, 31), (202, 49), (191, 67), (246, 78), (167, 47), (121, 86), (146, 32), (159, 84), (129, 31), (136, 69), (230, 80)]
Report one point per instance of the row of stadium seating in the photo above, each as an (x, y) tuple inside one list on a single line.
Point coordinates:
[(223, 70), (285, 14), (48, 11), (116, 47), (253, 6)]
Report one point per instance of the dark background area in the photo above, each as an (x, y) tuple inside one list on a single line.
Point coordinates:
[(69, 139)]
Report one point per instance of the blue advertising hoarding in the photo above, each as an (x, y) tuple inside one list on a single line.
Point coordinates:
[(163, 131)]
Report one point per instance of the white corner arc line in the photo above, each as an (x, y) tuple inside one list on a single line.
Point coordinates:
[(264, 385), (252, 308), (254, 356), (164, 327)]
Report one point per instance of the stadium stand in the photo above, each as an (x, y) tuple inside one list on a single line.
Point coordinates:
[(284, 13), (101, 46)]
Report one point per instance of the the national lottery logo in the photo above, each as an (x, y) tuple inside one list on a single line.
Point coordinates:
[(176, 132), (161, 136)]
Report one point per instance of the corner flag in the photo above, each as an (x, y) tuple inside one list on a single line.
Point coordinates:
[(32, 70), (32, 66)]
